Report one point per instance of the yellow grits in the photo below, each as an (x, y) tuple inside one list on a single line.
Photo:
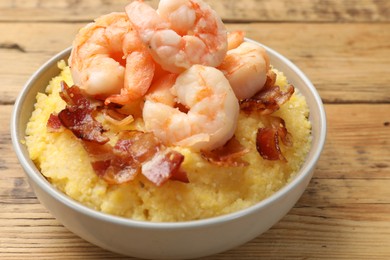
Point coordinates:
[(212, 190)]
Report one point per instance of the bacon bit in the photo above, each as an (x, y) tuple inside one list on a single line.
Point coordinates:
[(76, 99), (78, 115), (116, 171), (267, 144), (182, 108), (162, 166), (279, 124), (111, 166), (134, 151), (180, 175), (267, 139), (54, 124), (138, 145), (268, 99), (271, 79), (265, 102), (98, 152), (228, 155)]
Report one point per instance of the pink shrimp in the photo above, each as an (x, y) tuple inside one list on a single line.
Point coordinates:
[(180, 33), (234, 39), (109, 60), (246, 69), (211, 109)]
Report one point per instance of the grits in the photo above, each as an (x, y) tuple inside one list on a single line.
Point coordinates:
[(212, 190)]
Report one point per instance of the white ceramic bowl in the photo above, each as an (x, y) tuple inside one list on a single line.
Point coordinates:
[(167, 240)]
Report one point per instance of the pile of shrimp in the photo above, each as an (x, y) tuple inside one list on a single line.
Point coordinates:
[(179, 60)]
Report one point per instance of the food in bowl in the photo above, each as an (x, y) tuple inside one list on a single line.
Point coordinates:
[(137, 147)]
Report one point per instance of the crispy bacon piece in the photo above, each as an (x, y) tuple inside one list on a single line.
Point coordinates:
[(267, 144), (135, 152), (108, 164), (269, 98), (163, 166), (180, 175), (271, 79), (54, 124), (267, 139), (138, 145), (78, 115), (279, 124), (76, 99), (116, 171), (265, 102), (228, 155)]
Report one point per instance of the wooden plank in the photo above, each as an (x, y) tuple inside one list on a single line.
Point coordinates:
[(342, 231), (316, 237), (27, 46), (233, 11), (342, 60), (358, 142), (343, 214)]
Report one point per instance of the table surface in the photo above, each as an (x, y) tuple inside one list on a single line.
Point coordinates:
[(342, 46)]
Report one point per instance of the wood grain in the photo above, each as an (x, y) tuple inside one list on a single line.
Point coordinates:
[(242, 11)]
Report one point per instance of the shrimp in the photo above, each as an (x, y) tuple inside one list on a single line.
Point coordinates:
[(234, 39), (212, 109), (180, 33), (109, 60), (246, 69)]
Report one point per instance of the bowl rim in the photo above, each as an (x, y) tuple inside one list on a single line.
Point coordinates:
[(34, 174)]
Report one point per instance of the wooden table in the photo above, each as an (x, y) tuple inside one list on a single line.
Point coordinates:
[(342, 46)]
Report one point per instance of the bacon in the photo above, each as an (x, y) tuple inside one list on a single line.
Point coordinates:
[(268, 99), (265, 102), (111, 166), (116, 171), (180, 175), (163, 166), (267, 139), (137, 145), (78, 115), (267, 144), (279, 124), (135, 152), (228, 155), (75, 99), (54, 124), (271, 79)]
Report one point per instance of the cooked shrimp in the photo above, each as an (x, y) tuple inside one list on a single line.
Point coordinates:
[(139, 71), (212, 107), (109, 60), (234, 39), (160, 91), (246, 69), (180, 33)]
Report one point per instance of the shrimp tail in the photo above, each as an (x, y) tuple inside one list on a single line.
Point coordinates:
[(138, 78)]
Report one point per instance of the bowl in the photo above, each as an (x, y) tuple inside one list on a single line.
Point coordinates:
[(179, 240)]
